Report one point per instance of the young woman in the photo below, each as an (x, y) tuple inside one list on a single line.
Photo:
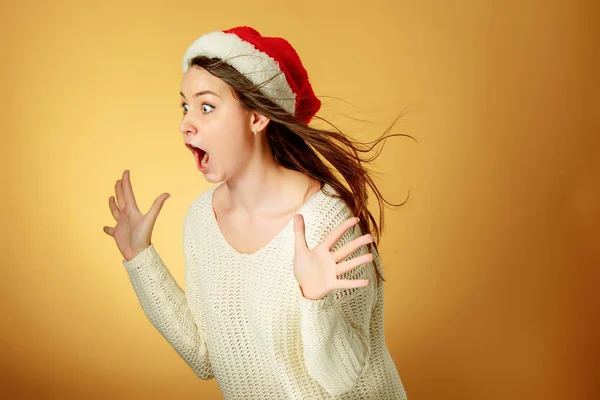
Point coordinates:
[(283, 297)]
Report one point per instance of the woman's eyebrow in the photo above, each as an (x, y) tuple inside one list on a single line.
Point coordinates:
[(203, 92)]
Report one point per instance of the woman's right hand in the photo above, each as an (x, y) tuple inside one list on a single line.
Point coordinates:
[(133, 231)]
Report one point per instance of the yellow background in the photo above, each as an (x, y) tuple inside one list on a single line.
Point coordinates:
[(491, 265)]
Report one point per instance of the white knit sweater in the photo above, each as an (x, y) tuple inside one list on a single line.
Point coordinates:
[(243, 320)]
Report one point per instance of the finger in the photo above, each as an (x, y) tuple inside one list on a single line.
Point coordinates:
[(120, 196), (156, 207), (299, 233), (114, 209), (128, 190), (336, 234), (351, 247), (349, 265), (351, 283), (109, 230)]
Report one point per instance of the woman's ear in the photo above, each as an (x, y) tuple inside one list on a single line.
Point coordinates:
[(258, 122)]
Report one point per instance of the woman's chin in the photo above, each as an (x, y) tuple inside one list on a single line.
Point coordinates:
[(211, 178)]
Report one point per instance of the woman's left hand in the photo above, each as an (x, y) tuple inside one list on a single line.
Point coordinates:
[(316, 270)]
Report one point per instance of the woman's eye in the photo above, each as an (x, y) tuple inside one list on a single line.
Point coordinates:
[(206, 108)]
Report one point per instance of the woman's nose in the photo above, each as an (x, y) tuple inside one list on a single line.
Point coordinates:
[(188, 125)]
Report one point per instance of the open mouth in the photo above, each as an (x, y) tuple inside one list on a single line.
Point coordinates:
[(201, 157)]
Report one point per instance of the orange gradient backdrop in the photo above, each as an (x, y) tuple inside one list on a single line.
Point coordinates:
[(491, 265)]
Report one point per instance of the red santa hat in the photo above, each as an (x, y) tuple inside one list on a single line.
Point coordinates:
[(261, 58)]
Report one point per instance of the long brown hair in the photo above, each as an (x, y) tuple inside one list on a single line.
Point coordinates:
[(297, 146)]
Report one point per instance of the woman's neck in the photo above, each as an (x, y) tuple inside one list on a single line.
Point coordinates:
[(264, 188)]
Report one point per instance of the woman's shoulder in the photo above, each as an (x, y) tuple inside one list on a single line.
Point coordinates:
[(328, 205), (200, 205), (324, 211)]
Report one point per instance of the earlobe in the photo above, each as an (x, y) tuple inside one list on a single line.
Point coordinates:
[(259, 122)]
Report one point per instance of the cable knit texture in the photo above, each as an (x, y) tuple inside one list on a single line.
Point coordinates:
[(243, 320)]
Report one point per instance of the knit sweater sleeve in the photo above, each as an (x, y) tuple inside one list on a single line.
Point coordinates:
[(175, 314), (335, 329)]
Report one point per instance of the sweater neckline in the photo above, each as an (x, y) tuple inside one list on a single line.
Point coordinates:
[(226, 244)]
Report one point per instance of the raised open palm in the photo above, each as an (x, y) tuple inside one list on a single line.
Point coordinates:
[(316, 270), (133, 231)]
